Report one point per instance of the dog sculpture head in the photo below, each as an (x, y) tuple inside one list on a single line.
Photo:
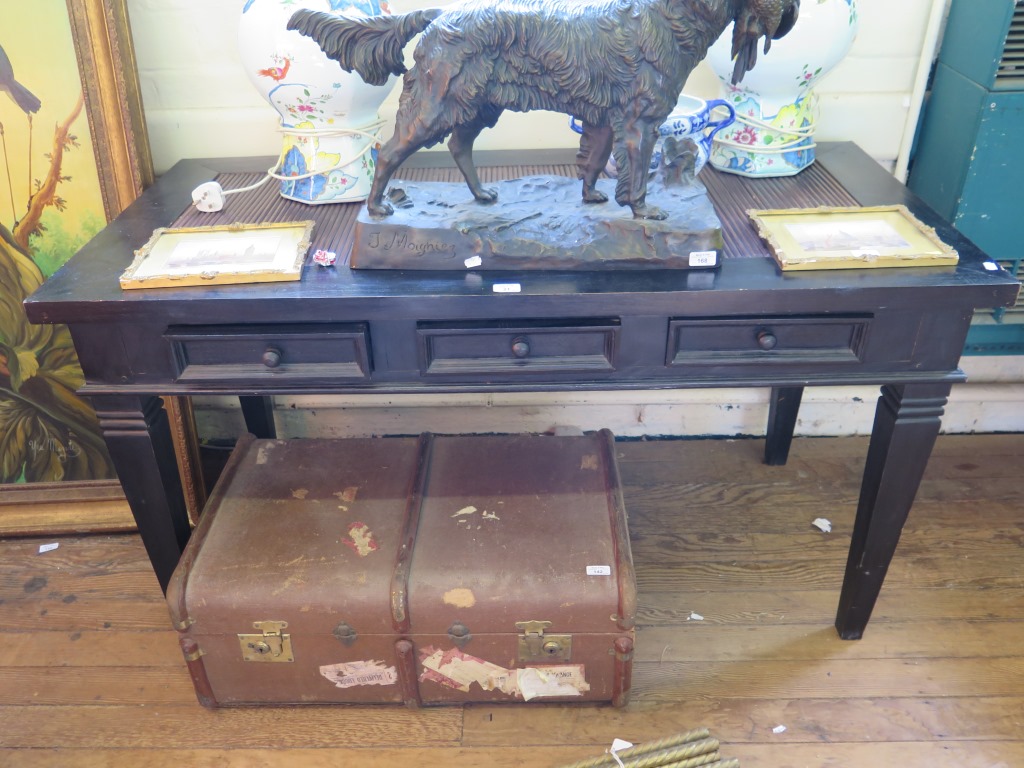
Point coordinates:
[(770, 19)]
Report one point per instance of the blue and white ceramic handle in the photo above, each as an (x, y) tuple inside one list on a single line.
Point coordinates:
[(695, 124), (717, 125)]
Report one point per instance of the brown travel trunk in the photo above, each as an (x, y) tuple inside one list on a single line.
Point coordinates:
[(436, 570)]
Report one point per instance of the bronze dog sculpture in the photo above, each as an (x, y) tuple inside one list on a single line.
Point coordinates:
[(617, 65)]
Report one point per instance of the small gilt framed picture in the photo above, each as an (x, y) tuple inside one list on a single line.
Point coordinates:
[(220, 255), (850, 238)]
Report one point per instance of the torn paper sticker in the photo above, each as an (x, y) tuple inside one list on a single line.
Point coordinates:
[(458, 670), (361, 539), (542, 682), (349, 494), (460, 597), (822, 525), (353, 673), (779, 729), (44, 548)]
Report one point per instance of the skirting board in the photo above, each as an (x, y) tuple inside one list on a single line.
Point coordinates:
[(825, 411)]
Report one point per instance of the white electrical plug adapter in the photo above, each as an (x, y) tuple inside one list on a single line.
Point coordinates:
[(208, 197)]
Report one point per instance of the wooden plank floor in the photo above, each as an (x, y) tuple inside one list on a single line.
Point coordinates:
[(90, 674)]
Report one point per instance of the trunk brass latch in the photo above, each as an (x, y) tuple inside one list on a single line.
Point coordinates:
[(271, 644), (536, 646)]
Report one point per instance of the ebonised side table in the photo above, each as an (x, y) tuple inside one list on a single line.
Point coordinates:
[(343, 331)]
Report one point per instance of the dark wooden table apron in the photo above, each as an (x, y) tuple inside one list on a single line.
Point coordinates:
[(339, 331)]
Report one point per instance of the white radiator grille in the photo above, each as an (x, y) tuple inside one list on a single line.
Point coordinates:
[(1010, 74), (1016, 268)]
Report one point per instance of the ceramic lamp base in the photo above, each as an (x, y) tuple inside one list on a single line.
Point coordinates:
[(319, 169), (328, 116), (766, 140)]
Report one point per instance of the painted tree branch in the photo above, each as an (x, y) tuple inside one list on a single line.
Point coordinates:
[(47, 192)]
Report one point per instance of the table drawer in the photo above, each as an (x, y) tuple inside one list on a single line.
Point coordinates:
[(711, 341), (525, 347), (304, 353)]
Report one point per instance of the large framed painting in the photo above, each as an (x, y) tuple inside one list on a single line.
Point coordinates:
[(74, 154)]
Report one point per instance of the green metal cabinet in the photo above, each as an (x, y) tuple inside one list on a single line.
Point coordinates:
[(969, 161)]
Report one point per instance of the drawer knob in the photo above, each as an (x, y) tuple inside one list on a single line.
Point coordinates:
[(520, 346), (272, 357), (766, 340)]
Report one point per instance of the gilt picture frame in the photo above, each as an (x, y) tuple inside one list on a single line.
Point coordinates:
[(113, 98), (220, 255), (850, 238), (63, 52)]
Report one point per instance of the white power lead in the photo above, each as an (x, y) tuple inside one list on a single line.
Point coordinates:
[(209, 196)]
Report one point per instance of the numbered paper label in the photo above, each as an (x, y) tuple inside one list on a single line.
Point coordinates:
[(703, 258)]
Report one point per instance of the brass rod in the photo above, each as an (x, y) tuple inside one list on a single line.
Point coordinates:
[(607, 761), (710, 760), (673, 754)]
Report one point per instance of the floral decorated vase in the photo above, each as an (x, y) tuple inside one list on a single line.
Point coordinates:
[(328, 116), (691, 119), (775, 103)]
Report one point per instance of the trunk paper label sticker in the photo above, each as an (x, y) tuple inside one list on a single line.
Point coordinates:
[(463, 515), (460, 597), (353, 673), (263, 453), (360, 538), (348, 495), (564, 680), (458, 670)]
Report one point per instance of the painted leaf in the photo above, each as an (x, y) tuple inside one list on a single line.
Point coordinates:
[(47, 432)]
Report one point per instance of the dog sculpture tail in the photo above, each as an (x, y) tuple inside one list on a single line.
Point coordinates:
[(372, 46)]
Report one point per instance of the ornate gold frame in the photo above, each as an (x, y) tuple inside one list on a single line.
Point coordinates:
[(113, 100), (921, 246), (287, 270)]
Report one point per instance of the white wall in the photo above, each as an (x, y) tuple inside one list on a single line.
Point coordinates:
[(199, 103)]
